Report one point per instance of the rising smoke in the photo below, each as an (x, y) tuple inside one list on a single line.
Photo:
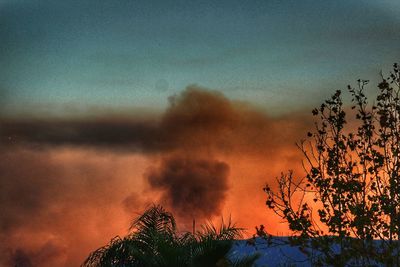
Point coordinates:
[(66, 185), (194, 188)]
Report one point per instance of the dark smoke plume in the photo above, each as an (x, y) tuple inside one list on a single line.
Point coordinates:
[(64, 181), (195, 119), (98, 133), (194, 188)]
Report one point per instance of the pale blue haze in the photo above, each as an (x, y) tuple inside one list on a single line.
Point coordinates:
[(280, 55)]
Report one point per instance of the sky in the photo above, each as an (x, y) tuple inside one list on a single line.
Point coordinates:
[(109, 106), (71, 55)]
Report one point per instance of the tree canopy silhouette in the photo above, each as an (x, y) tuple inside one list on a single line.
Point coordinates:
[(154, 241), (351, 192)]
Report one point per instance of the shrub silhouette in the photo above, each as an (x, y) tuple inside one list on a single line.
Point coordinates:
[(153, 241), (353, 181)]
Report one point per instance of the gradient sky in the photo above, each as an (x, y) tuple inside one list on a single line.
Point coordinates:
[(73, 56), (90, 135)]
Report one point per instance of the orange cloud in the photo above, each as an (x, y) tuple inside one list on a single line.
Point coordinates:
[(68, 186)]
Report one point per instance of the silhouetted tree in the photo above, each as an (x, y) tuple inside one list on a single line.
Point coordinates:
[(352, 180), (153, 241)]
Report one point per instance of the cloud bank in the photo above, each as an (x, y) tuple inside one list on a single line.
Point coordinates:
[(68, 185), (195, 119)]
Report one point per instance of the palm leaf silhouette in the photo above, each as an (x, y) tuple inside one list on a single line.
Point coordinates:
[(153, 241)]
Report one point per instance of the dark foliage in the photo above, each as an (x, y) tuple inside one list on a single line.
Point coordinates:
[(353, 180), (153, 241)]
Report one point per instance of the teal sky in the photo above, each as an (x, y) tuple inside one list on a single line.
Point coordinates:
[(66, 57)]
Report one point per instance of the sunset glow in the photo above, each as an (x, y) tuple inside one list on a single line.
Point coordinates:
[(107, 107)]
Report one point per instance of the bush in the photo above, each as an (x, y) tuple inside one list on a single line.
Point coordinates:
[(352, 178)]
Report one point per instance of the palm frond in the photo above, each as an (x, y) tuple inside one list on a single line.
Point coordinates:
[(153, 241), (154, 218), (225, 231)]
